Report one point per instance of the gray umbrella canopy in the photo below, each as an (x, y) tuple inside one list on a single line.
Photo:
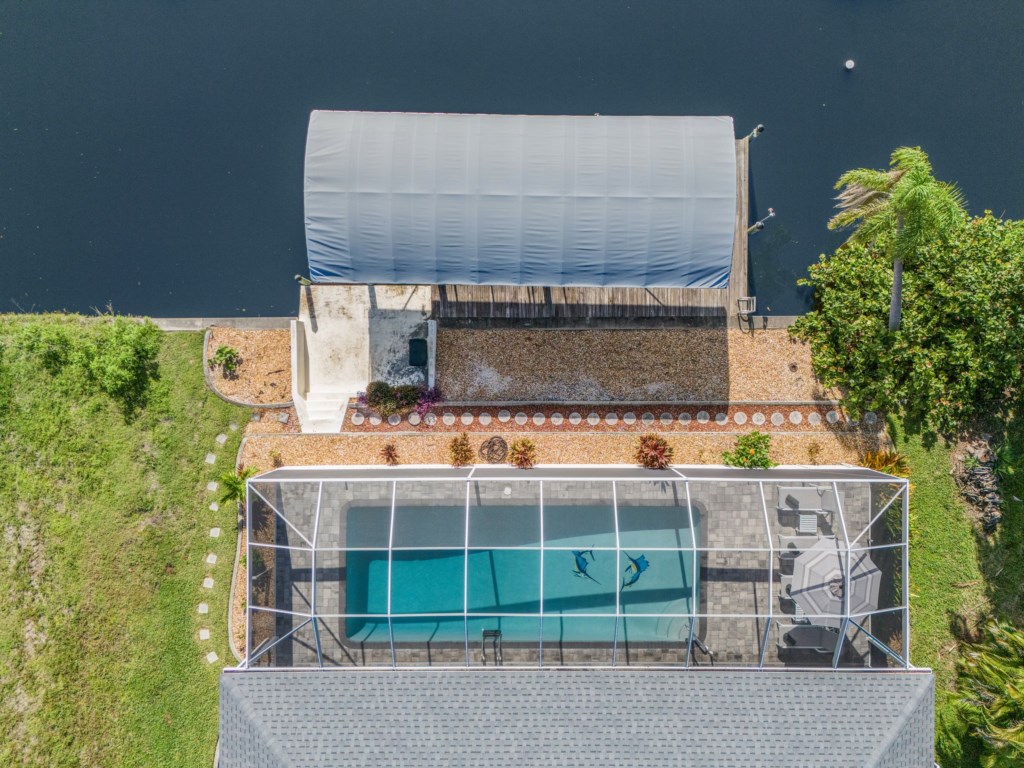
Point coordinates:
[(819, 581)]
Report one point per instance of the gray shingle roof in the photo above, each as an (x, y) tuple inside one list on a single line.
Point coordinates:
[(593, 717)]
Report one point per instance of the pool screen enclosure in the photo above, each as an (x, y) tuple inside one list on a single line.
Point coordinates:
[(575, 566)]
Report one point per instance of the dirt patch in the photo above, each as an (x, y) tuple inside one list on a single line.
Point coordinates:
[(265, 373), (676, 365)]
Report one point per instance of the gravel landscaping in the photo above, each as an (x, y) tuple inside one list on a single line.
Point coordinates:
[(664, 365), (265, 373)]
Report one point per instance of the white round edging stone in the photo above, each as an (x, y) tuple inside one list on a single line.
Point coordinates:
[(414, 419), (611, 419), (721, 418), (870, 417), (430, 419), (758, 419), (575, 418), (521, 418), (647, 419), (394, 419), (777, 419), (504, 416), (629, 418), (740, 418), (593, 419), (448, 419), (557, 419), (814, 418), (538, 419), (358, 418), (466, 418), (666, 419), (795, 417), (685, 419), (832, 417), (374, 420), (484, 418), (703, 417)]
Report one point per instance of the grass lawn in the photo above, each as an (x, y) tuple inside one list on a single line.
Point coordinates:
[(105, 534), (957, 576)]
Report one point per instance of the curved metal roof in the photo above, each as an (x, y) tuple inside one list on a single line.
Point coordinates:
[(520, 199)]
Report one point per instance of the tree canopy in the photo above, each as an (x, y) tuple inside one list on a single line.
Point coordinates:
[(960, 348)]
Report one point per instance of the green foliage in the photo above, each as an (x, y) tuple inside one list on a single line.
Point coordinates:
[(233, 484), (992, 694), (460, 452), (752, 451), (98, 640), (522, 453), (387, 400), (228, 359), (653, 452), (963, 316)]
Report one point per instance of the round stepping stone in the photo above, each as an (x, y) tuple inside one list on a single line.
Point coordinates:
[(394, 419), (211, 559), (504, 416), (484, 418), (521, 418), (795, 417), (466, 418), (593, 419), (832, 417), (740, 418), (204, 634), (203, 608), (414, 419), (448, 419), (629, 418), (358, 418), (212, 657), (538, 419), (721, 418), (575, 418), (221, 439), (870, 417), (215, 507), (814, 418), (685, 419), (611, 419), (212, 486), (777, 419), (647, 419), (758, 419), (430, 419), (557, 419), (215, 533), (375, 420), (207, 583), (211, 458), (703, 417), (666, 419), (233, 427)]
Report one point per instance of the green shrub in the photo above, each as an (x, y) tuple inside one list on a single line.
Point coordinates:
[(234, 485), (653, 452), (460, 452), (992, 697), (53, 344), (890, 462), (228, 359), (124, 359), (522, 453), (752, 452)]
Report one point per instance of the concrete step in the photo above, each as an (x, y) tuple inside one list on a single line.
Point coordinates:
[(326, 394)]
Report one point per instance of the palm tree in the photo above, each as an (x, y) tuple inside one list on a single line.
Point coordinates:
[(992, 696), (905, 208), (234, 484)]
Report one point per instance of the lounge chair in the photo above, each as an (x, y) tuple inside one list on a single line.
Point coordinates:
[(785, 582), (790, 546), (807, 637)]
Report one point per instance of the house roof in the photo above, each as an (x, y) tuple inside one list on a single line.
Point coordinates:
[(538, 200), (594, 717)]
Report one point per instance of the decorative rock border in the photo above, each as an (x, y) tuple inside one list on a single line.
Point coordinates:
[(773, 417)]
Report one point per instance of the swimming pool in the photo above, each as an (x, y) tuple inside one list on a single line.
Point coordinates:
[(529, 587)]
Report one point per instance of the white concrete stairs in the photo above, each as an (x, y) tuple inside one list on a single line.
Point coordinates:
[(325, 411)]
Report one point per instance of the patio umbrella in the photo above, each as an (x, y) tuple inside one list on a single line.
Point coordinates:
[(819, 580)]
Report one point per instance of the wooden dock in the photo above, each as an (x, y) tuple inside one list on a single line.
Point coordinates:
[(465, 303)]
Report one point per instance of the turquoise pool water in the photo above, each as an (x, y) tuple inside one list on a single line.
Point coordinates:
[(508, 581)]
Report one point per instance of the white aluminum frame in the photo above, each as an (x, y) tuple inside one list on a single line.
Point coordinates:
[(848, 546)]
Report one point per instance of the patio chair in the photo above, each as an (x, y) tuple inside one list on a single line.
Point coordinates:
[(785, 583), (807, 637), (791, 546)]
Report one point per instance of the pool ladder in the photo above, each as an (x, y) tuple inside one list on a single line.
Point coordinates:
[(494, 635)]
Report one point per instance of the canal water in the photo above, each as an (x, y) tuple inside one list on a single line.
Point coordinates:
[(151, 152)]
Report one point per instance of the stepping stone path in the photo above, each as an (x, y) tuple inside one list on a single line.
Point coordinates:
[(214, 507), (212, 657), (215, 533), (233, 427), (208, 583), (212, 486), (211, 458), (211, 559), (204, 609), (204, 634), (721, 418), (221, 439)]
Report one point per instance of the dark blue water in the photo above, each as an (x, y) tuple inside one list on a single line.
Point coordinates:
[(151, 152)]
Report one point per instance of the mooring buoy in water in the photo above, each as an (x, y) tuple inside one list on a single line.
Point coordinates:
[(850, 64)]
